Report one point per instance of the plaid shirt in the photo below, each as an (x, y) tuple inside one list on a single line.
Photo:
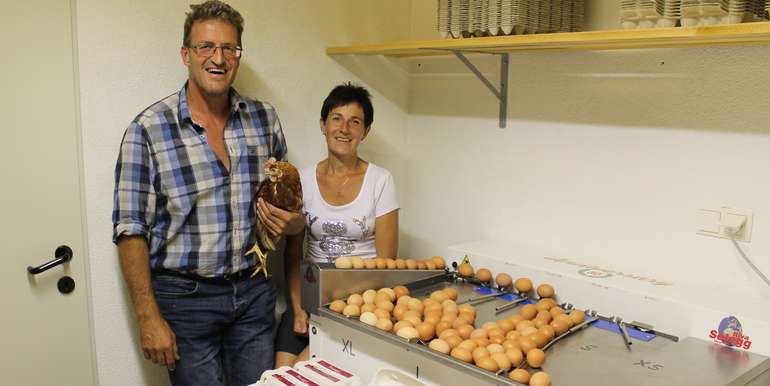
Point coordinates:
[(170, 187)]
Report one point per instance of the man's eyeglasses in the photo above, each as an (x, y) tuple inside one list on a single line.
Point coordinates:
[(208, 49)]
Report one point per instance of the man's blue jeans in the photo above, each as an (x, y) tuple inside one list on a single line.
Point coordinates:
[(223, 330)]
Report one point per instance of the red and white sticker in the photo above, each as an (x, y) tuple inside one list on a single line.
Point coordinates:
[(335, 369)]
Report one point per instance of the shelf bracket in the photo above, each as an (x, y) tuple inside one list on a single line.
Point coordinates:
[(502, 93)]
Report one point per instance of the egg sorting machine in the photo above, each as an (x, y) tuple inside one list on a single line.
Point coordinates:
[(666, 349)]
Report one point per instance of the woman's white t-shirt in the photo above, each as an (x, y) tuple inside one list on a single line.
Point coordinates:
[(345, 230)]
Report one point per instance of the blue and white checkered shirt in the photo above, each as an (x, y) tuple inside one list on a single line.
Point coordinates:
[(171, 188)]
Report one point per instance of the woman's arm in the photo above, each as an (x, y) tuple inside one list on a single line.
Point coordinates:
[(386, 235), (293, 258)]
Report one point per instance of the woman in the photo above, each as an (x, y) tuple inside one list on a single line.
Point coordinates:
[(350, 205)]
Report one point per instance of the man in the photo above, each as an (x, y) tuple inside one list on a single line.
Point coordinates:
[(186, 178)]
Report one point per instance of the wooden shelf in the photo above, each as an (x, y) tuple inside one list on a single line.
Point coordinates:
[(729, 34)]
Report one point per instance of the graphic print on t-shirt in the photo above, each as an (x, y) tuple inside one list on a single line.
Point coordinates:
[(333, 241)]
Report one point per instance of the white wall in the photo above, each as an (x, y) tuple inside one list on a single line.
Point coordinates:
[(606, 158), (129, 58)]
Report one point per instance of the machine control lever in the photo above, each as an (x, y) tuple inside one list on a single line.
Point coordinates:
[(619, 321)]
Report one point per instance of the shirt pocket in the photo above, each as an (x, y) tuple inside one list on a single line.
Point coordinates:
[(256, 156)]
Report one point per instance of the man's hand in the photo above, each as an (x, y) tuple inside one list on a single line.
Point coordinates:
[(300, 322), (278, 221), (158, 342)]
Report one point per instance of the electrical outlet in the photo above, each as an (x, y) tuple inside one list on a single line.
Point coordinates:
[(716, 222)]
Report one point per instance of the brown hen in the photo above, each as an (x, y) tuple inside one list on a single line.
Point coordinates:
[(281, 188)]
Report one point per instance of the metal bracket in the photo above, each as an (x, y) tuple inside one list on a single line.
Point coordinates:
[(502, 93)]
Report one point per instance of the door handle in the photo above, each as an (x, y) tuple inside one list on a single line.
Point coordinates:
[(62, 254)]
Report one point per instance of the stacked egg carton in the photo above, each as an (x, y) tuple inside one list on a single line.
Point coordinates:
[(466, 18), (636, 14), (708, 12)]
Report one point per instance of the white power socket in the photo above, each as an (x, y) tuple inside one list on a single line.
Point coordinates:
[(716, 223)]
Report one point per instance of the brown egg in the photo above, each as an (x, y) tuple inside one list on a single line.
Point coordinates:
[(400, 264), (441, 326), (502, 360), (510, 343), (543, 305), (356, 299), (505, 325), (401, 324), (495, 347), (523, 284), (411, 264), (528, 311), (467, 317), (540, 378), (358, 262), (370, 264), (408, 333), (389, 291), (462, 354), (421, 264), (430, 306), (343, 262), (482, 342), (465, 330), (520, 376), (439, 296), (399, 310), (439, 262), (448, 317), (384, 324), (429, 265), (523, 324), (527, 331), (556, 311), (503, 280), (380, 262), (450, 304), (390, 263), (426, 331), (487, 363), (545, 291), (566, 319), (559, 327), (514, 355), (545, 316), (548, 331), (451, 292), (526, 343), (381, 314), (337, 306), (484, 275), (513, 334), (440, 346), (432, 318), (368, 307), (369, 296), (351, 310), (468, 345), (467, 308), (454, 340), (465, 270), (411, 317), (415, 305), (577, 316), (479, 352), (539, 338), (385, 305), (428, 301), (515, 319), (448, 332), (479, 333), (368, 317), (535, 358), (400, 291)]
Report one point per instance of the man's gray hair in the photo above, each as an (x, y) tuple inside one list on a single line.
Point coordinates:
[(212, 9)]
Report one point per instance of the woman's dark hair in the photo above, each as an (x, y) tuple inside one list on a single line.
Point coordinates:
[(347, 93)]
